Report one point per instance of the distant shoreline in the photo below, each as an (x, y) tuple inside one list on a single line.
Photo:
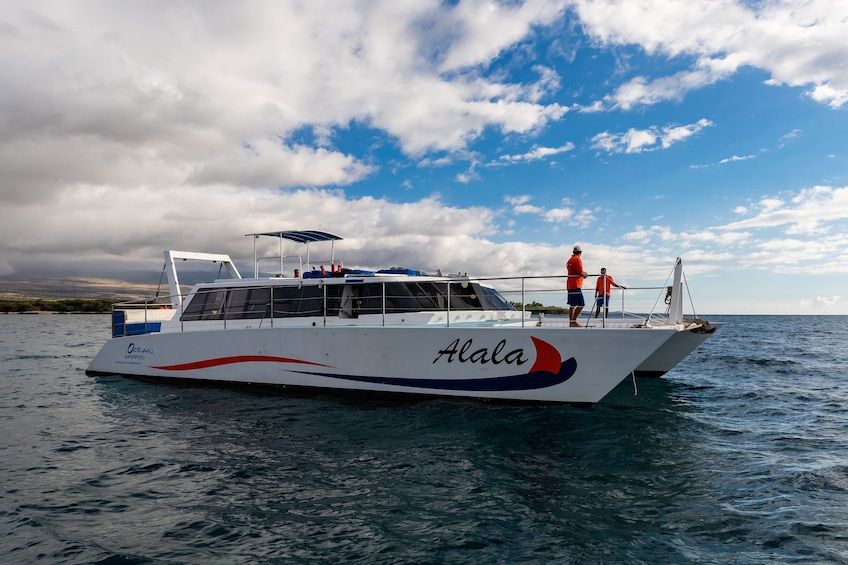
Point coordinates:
[(60, 306), (49, 312)]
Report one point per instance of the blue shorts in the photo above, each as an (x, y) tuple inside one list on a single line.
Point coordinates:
[(600, 302), (575, 298)]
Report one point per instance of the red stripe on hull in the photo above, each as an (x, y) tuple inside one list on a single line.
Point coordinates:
[(207, 363)]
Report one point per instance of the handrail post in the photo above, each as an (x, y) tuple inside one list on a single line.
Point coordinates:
[(383, 305), (622, 304), (448, 303), (523, 302)]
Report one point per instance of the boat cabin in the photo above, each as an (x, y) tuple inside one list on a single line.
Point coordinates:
[(337, 297)]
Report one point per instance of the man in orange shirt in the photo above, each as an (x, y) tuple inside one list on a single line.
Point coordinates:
[(602, 291), (574, 285)]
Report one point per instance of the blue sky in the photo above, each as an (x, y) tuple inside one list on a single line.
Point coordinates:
[(482, 137)]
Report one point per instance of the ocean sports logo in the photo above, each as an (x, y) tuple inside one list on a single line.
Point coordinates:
[(548, 369)]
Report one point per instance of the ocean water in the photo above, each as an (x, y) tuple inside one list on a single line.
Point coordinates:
[(739, 455)]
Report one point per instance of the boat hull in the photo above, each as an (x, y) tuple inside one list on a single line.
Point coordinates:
[(674, 351), (508, 363)]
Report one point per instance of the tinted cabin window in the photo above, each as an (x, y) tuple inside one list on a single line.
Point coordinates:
[(334, 299), (311, 301), (400, 298), (492, 300), (232, 304), (249, 303), (473, 296), (427, 296), (206, 305), (430, 296), (258, 304), (306, 300), (286, 300), (371, 299), (464, 296), (417, 296)]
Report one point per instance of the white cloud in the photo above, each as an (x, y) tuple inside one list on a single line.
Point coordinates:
[(593, 108), (731, 159), (735, 158), (799, 43), (791, 135), (179, 92), (565, 214), (558, 214), (517, 200), (808, 212), (520, 204), (477, 31), (572, 217), (639, 91), (770, 204), (535, 154), (644, 235), (786, 236), (821, 301), (134, 226), (651, 139), (270, 164), (527, 209), (834, 97)]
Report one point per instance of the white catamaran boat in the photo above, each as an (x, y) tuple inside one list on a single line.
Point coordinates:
[(393, 331)]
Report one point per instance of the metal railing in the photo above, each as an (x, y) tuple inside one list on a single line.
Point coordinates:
[(523, 292)]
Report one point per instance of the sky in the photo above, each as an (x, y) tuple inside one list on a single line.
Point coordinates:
[(485, 137)]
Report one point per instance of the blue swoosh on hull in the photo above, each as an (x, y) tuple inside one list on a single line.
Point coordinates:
[(528, 381)]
